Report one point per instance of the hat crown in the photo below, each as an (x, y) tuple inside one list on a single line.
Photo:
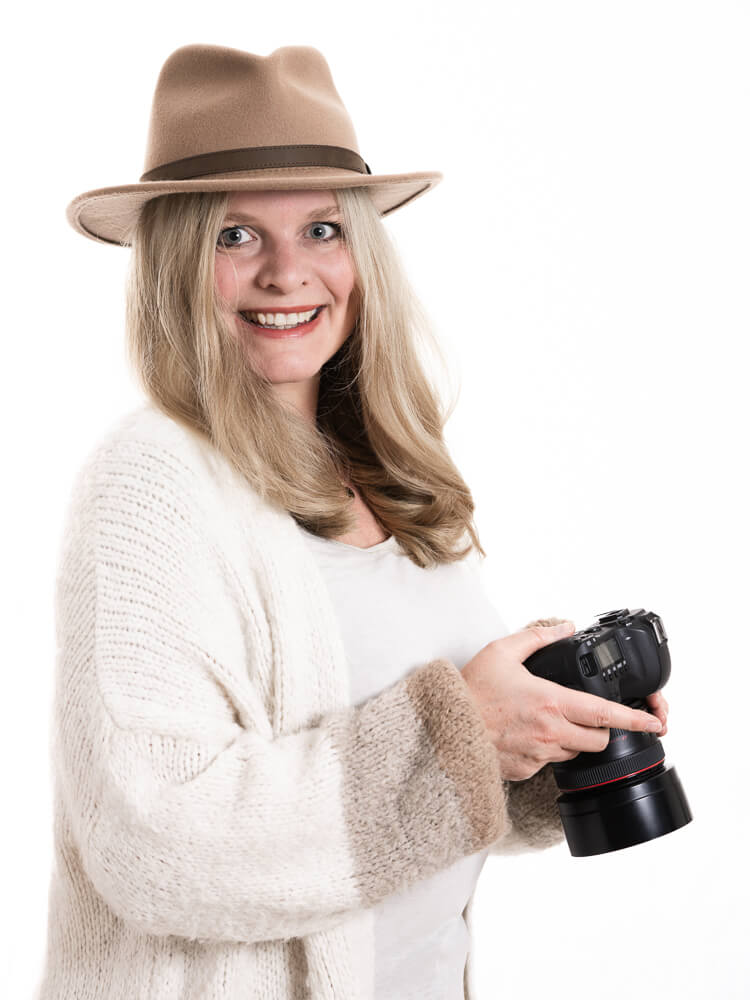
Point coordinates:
[(227, 120), (210, 98)]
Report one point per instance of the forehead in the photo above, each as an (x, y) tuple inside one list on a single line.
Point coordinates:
[(281, 203)]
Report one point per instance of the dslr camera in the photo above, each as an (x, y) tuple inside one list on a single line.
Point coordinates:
[(625, 794)]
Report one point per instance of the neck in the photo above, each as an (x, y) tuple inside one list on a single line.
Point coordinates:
[(300, 396)]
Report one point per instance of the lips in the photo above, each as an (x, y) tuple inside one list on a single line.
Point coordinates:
[(280, 333), (249, 314), (284, 309)]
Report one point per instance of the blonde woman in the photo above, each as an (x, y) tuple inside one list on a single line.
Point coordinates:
[(289, 725)]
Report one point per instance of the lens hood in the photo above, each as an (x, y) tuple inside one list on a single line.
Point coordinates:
[(632, 811)]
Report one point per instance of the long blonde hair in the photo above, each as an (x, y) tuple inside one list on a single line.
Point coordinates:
[(379, 421)]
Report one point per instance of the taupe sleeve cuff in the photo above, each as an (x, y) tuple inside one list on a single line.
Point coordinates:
[(443, 702)]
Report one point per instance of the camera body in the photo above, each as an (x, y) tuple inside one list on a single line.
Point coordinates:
[(623, 795), (623, 657)]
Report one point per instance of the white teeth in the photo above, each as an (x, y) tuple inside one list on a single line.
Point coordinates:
[(281, 320)]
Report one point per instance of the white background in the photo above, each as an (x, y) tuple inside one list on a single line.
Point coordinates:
[(585, 262)]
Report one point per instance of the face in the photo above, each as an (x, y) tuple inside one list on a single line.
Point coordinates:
[(281, 253)]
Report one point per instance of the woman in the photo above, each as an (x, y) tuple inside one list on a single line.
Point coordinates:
[(289, 725)]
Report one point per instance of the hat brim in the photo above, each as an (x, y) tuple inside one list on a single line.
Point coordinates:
[(107, 215)]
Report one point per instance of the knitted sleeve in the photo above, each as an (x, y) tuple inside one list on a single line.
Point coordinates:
[(190, 817), (533, 819)]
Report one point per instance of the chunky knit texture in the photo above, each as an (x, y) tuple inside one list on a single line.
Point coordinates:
[(223, 816)]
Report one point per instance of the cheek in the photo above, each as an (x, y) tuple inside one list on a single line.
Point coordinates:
[(341, 281), (225, 281)]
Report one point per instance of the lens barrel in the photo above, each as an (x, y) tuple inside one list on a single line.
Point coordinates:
[(623, 812)]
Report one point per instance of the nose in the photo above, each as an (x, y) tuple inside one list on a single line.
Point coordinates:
[(282, 265)]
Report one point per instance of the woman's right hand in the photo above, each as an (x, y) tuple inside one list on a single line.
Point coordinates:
[(533, 721)]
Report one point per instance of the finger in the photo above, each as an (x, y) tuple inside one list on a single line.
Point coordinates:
[(591, 710), (586, 739), (663, 730), (522, 644), (658, 702), (545, 622), (658, 705)]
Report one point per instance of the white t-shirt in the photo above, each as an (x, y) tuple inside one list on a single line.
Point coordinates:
[(394, 617)]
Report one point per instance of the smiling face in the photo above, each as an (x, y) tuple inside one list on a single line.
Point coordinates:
[(280, 253)]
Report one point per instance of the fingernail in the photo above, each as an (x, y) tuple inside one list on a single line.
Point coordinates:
[(654, 723)]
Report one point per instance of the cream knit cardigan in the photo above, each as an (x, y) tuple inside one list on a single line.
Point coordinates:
[(224, 817)]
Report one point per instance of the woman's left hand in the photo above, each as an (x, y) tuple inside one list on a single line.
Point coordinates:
[(658, 706)]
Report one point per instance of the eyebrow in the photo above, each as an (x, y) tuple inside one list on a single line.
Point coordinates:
[(325, 212)]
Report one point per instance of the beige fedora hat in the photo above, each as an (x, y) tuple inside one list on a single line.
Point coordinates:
[(227, 120)]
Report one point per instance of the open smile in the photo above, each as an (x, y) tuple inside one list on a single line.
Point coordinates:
[(277, 328)]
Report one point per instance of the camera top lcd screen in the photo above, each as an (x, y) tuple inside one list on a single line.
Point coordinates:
[(607, 653)]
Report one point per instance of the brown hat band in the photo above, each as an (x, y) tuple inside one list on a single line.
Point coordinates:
[(258, 158)]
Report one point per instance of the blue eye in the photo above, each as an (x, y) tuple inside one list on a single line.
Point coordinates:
[(334, 225), (241, 229), (233, 229)]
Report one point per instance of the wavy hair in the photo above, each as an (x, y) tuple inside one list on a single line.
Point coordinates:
[(379, 419)]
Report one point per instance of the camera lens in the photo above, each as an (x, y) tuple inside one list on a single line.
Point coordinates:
[(620, 797)]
